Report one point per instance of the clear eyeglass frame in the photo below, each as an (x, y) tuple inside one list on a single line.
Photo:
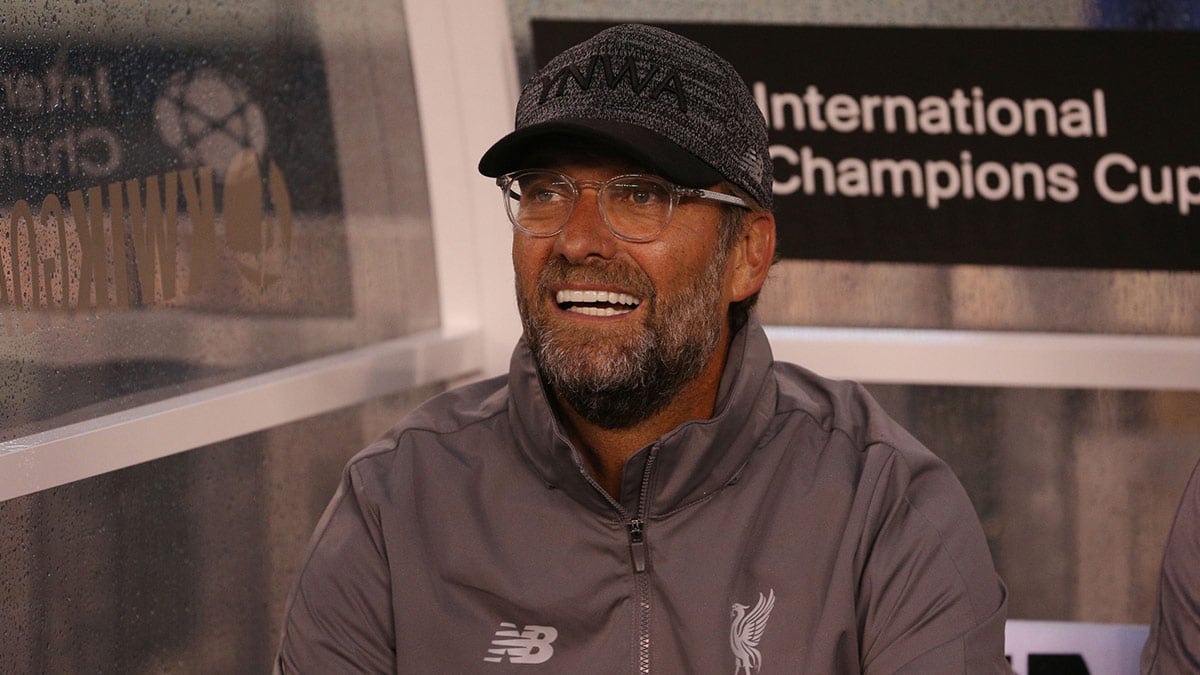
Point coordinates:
[(622, 230)]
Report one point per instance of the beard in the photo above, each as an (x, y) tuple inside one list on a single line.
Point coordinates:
[(618, 379)]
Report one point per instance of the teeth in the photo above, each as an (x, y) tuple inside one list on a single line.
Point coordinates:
[(610, 297), (597, 311)]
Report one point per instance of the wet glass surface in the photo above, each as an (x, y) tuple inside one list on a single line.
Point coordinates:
[(179, 565), (191, 193)]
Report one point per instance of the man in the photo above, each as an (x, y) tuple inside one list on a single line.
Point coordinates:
[(1173, 645), (646, 490)]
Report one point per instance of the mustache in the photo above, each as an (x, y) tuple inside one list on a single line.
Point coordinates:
[(628, 278)]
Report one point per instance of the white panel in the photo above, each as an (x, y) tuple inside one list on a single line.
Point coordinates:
[(981, 358), (465, 73), (1106, 649)]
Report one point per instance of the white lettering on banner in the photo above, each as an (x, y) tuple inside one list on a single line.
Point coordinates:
[(30, 94), (934, 181), (958, 113), (93, 151), (1120, 180), (1117, 178)]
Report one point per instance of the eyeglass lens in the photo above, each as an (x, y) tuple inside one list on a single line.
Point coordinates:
[(634, 207)]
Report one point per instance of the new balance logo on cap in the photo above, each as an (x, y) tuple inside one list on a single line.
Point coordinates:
[(532, 644), (584, 79), (751, 163)]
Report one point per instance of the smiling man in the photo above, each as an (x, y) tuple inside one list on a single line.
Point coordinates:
[(627, 319), (647, 490)]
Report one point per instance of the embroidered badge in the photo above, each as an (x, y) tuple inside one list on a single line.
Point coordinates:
[(650, 80), (745, 632)]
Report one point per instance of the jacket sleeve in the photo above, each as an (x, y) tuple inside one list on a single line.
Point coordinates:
[(339, 616), (930, 600), (1174, 642)]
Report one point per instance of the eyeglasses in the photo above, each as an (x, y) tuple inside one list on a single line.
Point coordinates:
[(635, 207)]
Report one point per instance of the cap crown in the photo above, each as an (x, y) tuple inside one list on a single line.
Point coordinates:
[(665, 83)]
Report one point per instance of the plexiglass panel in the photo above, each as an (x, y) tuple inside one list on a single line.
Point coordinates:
[(180, 565), (194, 192), (191, 193)]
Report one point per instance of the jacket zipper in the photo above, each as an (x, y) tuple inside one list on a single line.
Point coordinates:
[(637, 543), (637, 524), (637, 552)]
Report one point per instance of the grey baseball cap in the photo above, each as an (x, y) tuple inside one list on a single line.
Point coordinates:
[(668, 102)]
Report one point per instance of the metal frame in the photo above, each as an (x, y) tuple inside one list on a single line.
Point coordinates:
[(110, 442)]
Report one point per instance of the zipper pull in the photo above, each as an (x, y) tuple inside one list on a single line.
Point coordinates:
[(637, 544)]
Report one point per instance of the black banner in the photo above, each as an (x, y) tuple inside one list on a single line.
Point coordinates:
[(1048, 148)]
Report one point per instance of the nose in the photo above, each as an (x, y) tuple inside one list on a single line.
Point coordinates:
[(585, 235)]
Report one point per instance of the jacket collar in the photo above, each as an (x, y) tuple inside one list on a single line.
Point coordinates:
[(692, 461)]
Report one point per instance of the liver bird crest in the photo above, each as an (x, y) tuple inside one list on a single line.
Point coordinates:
[(746, 630)]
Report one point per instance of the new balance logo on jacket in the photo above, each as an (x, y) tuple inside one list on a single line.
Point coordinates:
[(529, 645)]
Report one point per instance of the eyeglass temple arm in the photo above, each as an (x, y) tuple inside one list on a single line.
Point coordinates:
[(715, 196)]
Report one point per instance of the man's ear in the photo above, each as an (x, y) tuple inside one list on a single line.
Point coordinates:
[(751, 256)]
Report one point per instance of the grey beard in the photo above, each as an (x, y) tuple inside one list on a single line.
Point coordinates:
[(632, 386), (619, 387)]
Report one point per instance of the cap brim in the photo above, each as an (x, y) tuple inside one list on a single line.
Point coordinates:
[(652, 150)]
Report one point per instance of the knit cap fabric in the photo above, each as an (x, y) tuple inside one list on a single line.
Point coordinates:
[(669, 102)]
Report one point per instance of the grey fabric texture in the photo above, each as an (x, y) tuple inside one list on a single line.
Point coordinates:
[(473, 528), (670, 102)]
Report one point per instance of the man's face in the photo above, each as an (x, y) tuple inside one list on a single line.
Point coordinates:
[(618, 329)]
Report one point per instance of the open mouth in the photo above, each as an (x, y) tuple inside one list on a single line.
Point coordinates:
[(596, 303)]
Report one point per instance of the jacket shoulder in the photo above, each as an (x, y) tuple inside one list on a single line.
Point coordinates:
[(445, 415), (890, 461), (839, 407), (912, 508)]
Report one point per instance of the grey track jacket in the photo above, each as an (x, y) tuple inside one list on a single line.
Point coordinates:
[(1173, 646), (800, 530)]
